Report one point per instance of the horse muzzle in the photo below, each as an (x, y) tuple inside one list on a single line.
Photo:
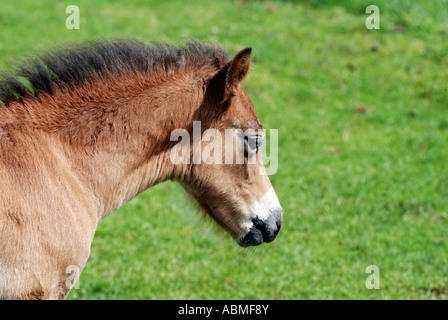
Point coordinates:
[(263, 230)]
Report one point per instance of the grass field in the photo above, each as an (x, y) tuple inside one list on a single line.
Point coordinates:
[(363, 148)]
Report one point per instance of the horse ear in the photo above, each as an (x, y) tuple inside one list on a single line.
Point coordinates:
[(232, 74), (238, 69)]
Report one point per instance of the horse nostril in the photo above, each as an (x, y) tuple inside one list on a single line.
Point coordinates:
[(262, 231), (268, 228), (258, 224)]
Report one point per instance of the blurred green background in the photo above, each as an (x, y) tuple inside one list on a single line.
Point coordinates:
[(363, 128)]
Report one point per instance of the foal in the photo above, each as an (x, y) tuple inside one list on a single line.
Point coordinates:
[(85, 129)]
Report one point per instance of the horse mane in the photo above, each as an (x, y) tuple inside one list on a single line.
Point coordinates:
[(78, 92), (85, 63)]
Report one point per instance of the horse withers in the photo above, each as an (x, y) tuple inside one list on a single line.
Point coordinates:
[(91, 127)]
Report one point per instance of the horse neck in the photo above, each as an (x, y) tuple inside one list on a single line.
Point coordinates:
[(115, 177), (133, 152)]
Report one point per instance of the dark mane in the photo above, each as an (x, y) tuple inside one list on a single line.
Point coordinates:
[(75, 65)]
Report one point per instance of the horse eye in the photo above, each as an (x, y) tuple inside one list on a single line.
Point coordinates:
[(251, 144)]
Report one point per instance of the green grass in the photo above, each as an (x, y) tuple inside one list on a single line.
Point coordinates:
[(363, 148)]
